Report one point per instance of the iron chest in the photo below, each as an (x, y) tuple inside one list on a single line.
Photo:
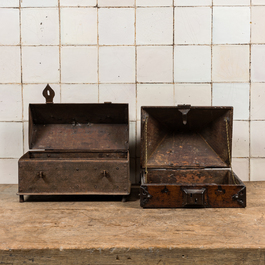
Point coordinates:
[(186, 158), (86, 149)]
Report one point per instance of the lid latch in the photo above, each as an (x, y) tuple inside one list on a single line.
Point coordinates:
[(184, 109), (49, 94)]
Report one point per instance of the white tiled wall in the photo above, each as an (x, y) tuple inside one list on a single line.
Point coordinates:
[(144, 52)]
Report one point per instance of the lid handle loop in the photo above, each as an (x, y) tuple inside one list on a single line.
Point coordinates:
[(49, 94)]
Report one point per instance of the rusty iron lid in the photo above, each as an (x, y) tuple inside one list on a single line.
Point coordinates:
[(94, 127), (186, 137)]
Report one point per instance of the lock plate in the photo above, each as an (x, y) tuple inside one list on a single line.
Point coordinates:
[(193, 197)]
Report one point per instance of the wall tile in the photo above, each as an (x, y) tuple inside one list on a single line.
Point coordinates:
[(119, 93), (9, 3), (117, 64), (257, 169), (132, 136), (10, 71), (258, 2), (9, 171), (79, 93), (193, 94), (154, 2), (192, 25), (10, 103), (10, 34), (33, 94), (257, 101), (40, 64), (192, 2), (258, 63), (192, 64), (154, 64), (240, 140), (11, 140), (78, 2), (79, 64), (116, 26), (233, 94), (231, 2), (241, 168), (154, 25), (115, 2), (231, 25), (154, 95), (79, 26), (40, 26), (258, 24), (257, 139), (230, 63), (39, 3)]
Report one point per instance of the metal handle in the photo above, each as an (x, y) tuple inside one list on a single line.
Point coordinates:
[(105, 174), (41, 174)]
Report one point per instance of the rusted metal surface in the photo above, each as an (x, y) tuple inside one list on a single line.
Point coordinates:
[(86, 149), (185, 158)]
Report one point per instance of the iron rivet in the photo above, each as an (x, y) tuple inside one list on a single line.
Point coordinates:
[(117, 168), (77, 169), (95, 168)]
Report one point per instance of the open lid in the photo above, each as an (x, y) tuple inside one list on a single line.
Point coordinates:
[(186, 137), (94, 127)]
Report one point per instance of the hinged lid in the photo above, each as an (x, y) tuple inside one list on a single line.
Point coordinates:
[(186, 137), (94, 127)]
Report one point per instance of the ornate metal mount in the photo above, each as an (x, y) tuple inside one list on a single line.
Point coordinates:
[(240, 197), (193, 197), (145, 196), (49, 94)]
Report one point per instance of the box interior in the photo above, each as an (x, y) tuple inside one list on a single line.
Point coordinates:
[(93, 127), (46, 155), (201, 142), (191, 177)]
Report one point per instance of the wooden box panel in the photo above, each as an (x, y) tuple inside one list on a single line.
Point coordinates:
[(74, 173)]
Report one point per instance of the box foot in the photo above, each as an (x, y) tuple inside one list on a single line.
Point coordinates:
[(21, 198)]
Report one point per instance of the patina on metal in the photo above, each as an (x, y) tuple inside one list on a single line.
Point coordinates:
[(186, 158), (86, 149)]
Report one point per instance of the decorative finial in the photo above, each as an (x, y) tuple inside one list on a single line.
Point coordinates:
[(49, 94)]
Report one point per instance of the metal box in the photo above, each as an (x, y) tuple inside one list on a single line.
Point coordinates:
[(186, 158), (86, 149)]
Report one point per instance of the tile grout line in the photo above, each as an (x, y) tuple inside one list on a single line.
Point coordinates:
[(136, 100), (21, 69), (60, 50), (173, 55), (250, 86), (212, 54), (98, 47)]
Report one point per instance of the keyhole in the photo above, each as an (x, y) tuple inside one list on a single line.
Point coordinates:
[(191, 195)]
